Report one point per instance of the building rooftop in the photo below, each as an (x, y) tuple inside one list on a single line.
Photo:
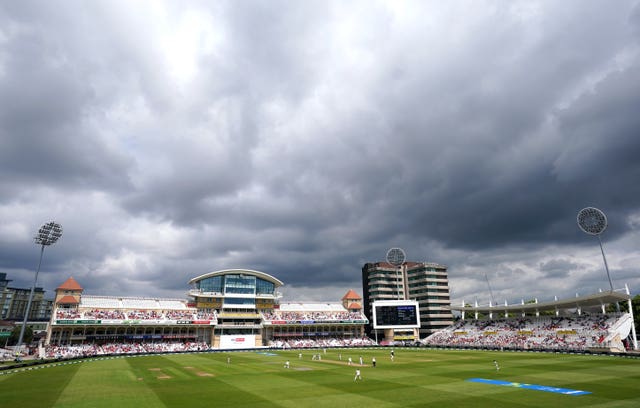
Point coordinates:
[(351, 295), (70, 284)]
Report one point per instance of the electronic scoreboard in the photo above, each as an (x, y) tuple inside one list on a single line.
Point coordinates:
[(396, 314)]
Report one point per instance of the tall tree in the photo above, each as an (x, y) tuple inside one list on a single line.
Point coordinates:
[(15, 335)]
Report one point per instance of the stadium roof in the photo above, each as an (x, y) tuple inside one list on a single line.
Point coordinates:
[(258, 274), (141, 303), (594, 300), (312, 307)]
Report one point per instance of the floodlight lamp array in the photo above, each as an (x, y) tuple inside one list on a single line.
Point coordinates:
[(592, 221), (48, 234), (396, 256)]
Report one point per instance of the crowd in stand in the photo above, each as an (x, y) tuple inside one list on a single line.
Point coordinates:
[(329, 342), (67, 314), (180, 314), (144, 315), (90, 350), (6, 354), (555, 333), (110, 314), (316, 316), (104, 314)]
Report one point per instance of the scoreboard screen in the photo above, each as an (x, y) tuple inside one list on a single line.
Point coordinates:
[(399, 314)]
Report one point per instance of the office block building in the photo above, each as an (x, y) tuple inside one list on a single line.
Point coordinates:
[(425, 282)]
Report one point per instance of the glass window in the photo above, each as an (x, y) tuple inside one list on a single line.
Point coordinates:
[(240, 284), (264, 287), (213, 284), (239, 302)]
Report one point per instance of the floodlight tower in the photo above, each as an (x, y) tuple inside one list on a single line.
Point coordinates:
[(47, 235), (396, 257), (593, 222)]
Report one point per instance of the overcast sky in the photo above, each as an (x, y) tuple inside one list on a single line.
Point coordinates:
[(305, 138)]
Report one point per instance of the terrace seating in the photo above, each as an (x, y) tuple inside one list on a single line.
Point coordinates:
[(180, 314), (114, 308), (68, 314), (172, 304), (206, 316), (87, 350), (315, 343), (144, 314), (106, 314), (140, 303), (100, 302), (312, 315), (562, 333)]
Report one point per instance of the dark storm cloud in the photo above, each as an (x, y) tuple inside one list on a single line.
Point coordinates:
[(590, 161), (305, 139), (494, 170), (558, 268), (45, 137)]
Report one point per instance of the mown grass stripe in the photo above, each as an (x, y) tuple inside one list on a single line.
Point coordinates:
[(40, 388), (420, 378), (105, 384)]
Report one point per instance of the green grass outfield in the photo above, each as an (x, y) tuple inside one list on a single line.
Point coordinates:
[(417, 378)]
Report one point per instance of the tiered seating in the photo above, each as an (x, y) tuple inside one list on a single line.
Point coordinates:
[(319, 316), (100, 302), (140, 303), (207, 316), (112, 308), (179, 314), (144, 314), (86, 350), (104, 314), (67, 314), (172, 304), (312, 307), (315, 343), (570, 333)]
